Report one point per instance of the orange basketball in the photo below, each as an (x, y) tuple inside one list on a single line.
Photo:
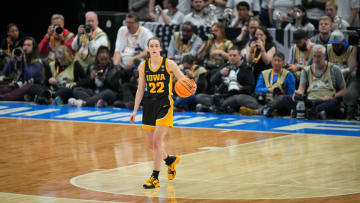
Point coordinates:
[(184, 87)]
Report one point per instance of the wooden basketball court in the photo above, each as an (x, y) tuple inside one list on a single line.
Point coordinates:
[(64, 161)]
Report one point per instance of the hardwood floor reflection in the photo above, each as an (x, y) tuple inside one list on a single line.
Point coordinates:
[(39, 158)]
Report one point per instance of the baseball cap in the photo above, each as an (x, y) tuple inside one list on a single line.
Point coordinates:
[(336, 37), (299, 35)]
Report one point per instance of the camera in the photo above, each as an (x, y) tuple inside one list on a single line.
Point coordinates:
[(210, 65), (209, 36), (276, 91), (100, 73), (88, 28), (232, 80), (354, 38), (58, 29), (18, 52), (226, 17)]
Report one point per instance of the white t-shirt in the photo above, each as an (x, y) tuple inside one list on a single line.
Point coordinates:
[(136, 42), (282, 6), (197, 20), (184, 6), (177, 18), (308, 27), (344, 10)]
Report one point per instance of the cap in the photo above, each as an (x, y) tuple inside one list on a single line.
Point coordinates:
[(299, 35), (336, 37)]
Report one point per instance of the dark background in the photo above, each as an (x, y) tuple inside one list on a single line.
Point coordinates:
[(33, 17)]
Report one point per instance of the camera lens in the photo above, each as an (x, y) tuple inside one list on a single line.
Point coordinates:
[(87, 28), (18, 52), (58, 29)]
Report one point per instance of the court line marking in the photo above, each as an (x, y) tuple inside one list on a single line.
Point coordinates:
[(54, 198), (73, 180)]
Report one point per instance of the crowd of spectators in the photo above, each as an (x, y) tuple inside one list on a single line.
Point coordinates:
[(247, 74)]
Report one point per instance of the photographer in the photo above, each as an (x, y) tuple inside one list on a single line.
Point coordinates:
[(183, 43), (89, 38), (56, 35), (214, 50), (230, 81), (199, 75), (352, 94), (66, 73), (131, 43), (12, 41), (270, 88), (23, 69), (97, 89)]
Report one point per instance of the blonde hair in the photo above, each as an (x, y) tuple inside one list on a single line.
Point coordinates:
[(325, 18), (67, 53), (332, 3)]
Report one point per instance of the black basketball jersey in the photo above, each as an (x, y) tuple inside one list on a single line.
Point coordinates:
[(159, 80)]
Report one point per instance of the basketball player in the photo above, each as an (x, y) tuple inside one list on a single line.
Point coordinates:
[(156, 74)]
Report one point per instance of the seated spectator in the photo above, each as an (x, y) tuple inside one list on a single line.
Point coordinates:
[(131, 43), (214, 51), (271, 86), (325, 31), (98, 88), (66, 73), (243, 17), (261, 51), (231, 82), (170, 15), (198, 16), (22, 70), (314, 9), (12, 41), (352, 93), (254, 6), (299, 20), (277, 8), (322, 84), (183, 43), (300, 53), (340, 52), (89, 38), (337, 21), (56, 35), (199, 75)]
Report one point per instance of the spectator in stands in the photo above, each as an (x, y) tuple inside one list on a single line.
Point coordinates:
[(141, 8), (185, 42), (315, 9), (349, 10), (23, 69), (352, 94), (242, 18), (337, 21), (254, 6), (214, 51), (323, 85), (89, 38), (277, 9), (184, 6), (271, 87), (198, 17), (235, 82), (247, 33), (12, 41), (170, 15), (66, 73), (300, 53), (131, 43), (56, 35), (97, 88), (325, 31), (220, 7), (340, 52), (261, 51), (299, 20), (199, 75)]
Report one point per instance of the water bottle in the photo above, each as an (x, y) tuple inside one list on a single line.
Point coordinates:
[(300, 109)]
